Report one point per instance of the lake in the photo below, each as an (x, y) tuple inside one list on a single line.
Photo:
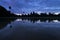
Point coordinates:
[(29, 29)]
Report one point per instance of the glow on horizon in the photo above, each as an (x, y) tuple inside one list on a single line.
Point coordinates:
[(18, 14), (38, 12), (57, 13)]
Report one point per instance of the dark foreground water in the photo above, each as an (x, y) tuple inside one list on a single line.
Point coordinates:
[(22, 29)]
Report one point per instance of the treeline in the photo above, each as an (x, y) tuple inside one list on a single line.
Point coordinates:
[(6, 13), (33, 14)]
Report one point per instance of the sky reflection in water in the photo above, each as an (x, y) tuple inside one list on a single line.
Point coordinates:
[(29, 30)]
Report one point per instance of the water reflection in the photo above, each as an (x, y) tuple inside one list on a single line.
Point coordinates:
[(29, 29), (41, 20), (5, 21)]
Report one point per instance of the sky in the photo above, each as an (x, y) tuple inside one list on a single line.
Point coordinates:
[(20, 6)]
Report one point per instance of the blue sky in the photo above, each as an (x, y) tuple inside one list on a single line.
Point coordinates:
[(19, 6)]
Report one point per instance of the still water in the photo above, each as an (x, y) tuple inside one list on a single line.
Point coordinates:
[(29, 29)]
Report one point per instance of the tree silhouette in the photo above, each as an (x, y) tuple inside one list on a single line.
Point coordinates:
[(6, 13)]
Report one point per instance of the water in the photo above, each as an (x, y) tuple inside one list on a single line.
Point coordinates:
[(29, 29)]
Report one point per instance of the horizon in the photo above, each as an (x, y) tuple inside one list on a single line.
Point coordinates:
[(56, 13)]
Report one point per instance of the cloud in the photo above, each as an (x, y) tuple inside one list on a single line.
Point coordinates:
[(30, 5), (52, 8)]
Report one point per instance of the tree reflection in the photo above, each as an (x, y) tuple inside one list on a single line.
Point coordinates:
[(34, 20), (5, 21)]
